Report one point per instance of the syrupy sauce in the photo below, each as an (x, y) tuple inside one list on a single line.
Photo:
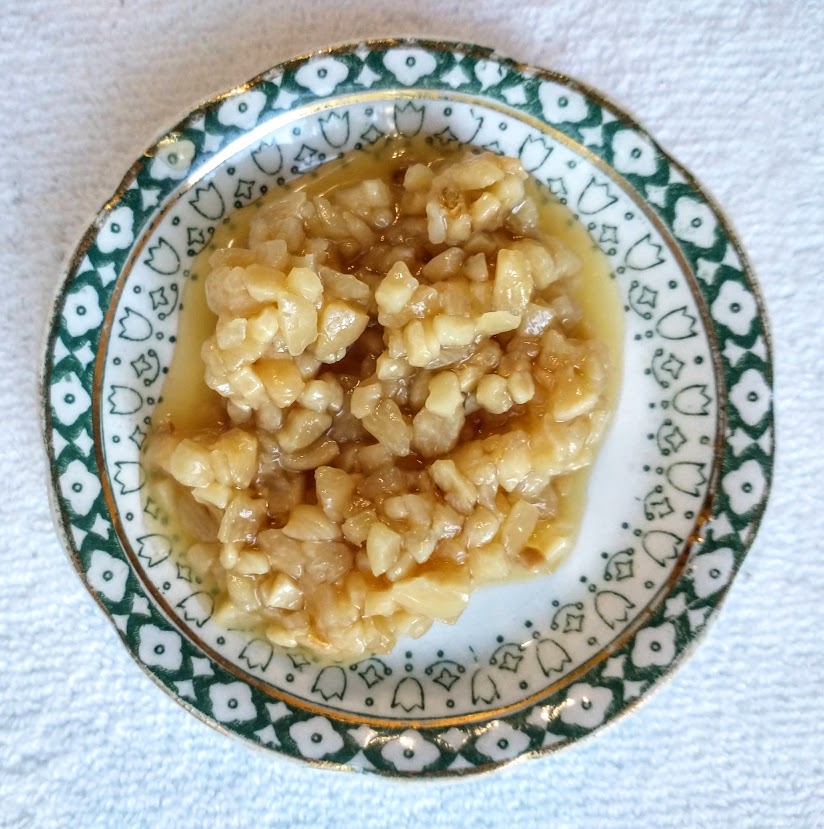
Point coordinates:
[(187, 405)]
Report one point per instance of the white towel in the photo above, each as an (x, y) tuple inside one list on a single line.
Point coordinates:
[(734, 91)]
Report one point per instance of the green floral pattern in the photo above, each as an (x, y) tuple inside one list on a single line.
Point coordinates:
[(697, 356)]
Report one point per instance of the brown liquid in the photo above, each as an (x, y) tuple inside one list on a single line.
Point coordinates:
[(189, 405)]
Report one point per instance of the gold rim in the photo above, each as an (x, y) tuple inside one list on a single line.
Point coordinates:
[(606, 103), (301, 702)]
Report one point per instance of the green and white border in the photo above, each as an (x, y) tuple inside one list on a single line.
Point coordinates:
[(610, 687)]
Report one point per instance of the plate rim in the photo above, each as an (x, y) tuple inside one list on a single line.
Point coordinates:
[(62, 521)]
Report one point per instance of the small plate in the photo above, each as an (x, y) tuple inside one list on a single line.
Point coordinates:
[(676, 494)]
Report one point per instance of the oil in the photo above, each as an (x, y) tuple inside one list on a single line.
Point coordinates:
[(187, 405), (190, 405)]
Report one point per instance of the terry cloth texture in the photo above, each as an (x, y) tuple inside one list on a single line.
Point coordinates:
[(734, 91)]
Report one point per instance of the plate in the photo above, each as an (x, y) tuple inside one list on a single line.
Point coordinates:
[(675, 497)]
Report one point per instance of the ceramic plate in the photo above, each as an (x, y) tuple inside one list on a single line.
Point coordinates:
[(675, 498)]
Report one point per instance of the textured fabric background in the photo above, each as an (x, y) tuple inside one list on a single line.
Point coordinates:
[(734, 91)]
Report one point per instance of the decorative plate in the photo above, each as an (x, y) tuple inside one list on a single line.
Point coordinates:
[(675, 498)]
